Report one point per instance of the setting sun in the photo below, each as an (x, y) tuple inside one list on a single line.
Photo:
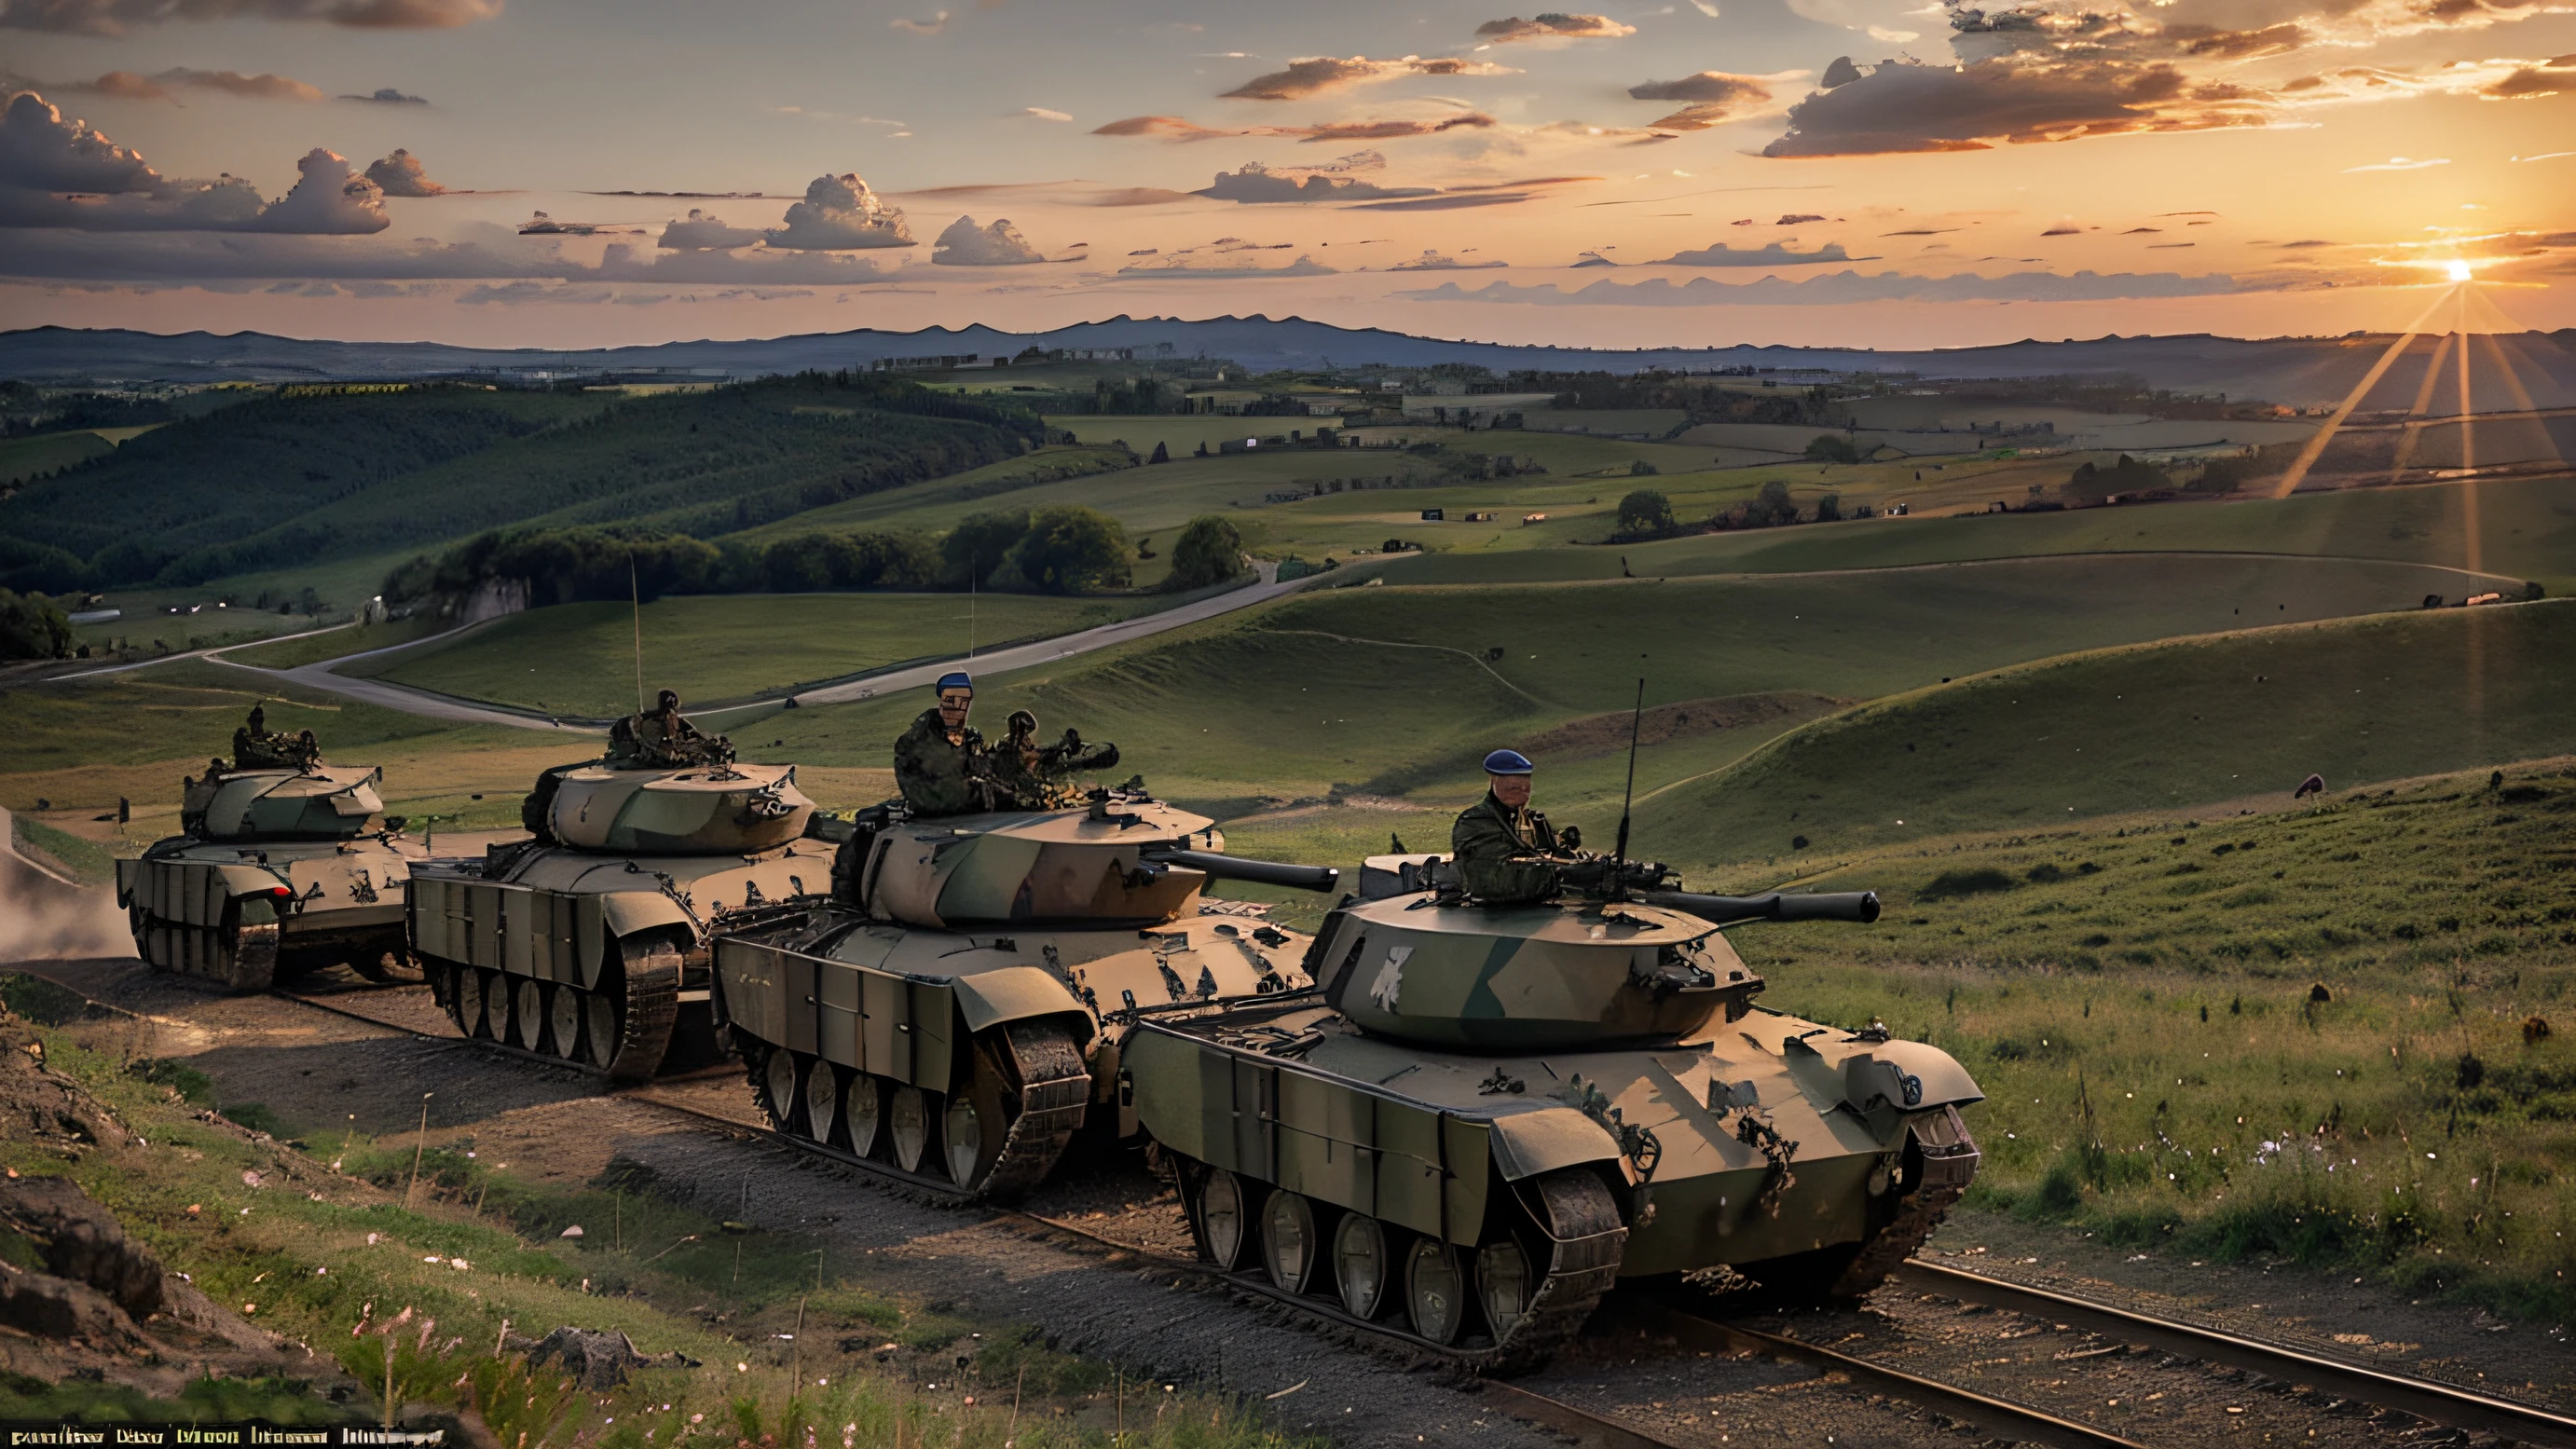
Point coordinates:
[(2459, 271)]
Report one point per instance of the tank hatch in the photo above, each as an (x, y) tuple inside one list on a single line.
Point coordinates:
[(704, 810), (1528, 978)]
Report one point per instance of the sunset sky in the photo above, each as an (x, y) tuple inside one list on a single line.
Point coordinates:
[(1867, 172)]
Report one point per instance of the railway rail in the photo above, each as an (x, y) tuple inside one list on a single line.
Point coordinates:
[(2424, 1398)]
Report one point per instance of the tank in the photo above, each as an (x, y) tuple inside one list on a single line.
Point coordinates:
[(953, 1016), (1480, 1118), (588, 942), (277, 872)]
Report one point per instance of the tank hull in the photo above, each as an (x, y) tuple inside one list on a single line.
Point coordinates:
[(596, 961), (961, 1062), (246, 917)]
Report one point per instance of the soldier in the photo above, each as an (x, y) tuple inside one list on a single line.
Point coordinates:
[(1039, 777), (1506, 852), (661, 739), (941, 763)]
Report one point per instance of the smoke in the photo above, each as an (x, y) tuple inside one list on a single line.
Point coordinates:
[(43, 919)]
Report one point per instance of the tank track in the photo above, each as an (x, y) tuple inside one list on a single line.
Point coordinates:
[(1584, 1270), (244, 959), (652, 1011), (1055, 1096), (1948, 1167)]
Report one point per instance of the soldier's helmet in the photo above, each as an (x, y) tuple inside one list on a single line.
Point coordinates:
[(669, 700)]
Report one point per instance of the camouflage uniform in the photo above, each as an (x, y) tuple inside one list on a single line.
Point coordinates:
[(1503, 855), (663, 739), (1038, 777), (943, 777)]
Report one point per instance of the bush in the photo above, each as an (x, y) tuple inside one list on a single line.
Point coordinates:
[(1210, 551), (1645, 512), (1832, 448), (32, 627), (980, 543), (1072, 550)]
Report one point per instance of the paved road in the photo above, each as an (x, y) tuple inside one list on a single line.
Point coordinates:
[(429, 705)]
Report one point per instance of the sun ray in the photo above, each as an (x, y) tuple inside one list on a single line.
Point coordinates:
[(2414, 431), (2316, 444)]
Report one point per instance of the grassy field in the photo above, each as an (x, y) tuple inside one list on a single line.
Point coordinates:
[(376, 1232), (2297, 1035), (1386, 694), (2184, 722), (336, 643), (24, 458), (579, 660), (2526, 530)]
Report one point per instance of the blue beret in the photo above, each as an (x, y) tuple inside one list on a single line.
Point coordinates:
[(1508, 762), (955, 679)]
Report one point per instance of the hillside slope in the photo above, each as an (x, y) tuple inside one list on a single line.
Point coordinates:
[(302, 477), (2181, 722)]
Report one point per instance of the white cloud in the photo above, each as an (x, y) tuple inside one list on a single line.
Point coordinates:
[(59, 173), (39, 149), (1041, 113), (329, 197), (964, 244), (840, 213), (400, 174), (701, 232), (1848, 287)]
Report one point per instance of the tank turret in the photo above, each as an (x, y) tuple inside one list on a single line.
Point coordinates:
[(1121, 861), (708, 810), (321, 802)]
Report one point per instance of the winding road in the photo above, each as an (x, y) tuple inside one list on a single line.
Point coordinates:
[(431, 705)]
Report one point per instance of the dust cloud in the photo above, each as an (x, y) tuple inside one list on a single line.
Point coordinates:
[(42, 918)]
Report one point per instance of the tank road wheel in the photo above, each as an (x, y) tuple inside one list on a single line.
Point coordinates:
[(1222, 1224), (1022, 1101), (500, 1000), (779, 1081), (1435, 1292), (450, 992), (528, 1016), (563, 1021), (1360, 1264), (822, 1099), (863, 1109), (599, 1031), (1288, 1240), (973, 1136), (909, 1125), (1504, 1286), (643, 977)]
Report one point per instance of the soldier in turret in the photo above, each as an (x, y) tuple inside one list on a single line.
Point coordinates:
[(1040, 777), (662, 739), (254, 748), (1506, 852), (942, 763)]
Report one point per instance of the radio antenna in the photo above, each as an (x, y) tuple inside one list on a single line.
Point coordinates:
[(635, 594), (1619, 876)]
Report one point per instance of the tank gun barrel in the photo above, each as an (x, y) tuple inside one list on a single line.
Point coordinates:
[(1319, 878), (1859, 906)]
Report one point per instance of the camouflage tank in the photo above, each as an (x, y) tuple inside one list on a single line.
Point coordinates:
[(1482, 1117), (281, 868), (955, 1013), (587, 943)]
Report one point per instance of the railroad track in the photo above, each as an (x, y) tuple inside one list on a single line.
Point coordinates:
[(2439, 1403)]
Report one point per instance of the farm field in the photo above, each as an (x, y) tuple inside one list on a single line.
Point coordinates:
[(24, 458)]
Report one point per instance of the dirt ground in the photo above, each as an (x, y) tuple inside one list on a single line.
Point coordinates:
[(319, 1072)]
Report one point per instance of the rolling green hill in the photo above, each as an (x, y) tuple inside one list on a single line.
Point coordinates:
[(578, 659), (2526, 530), (2183, 722), (300, 477)]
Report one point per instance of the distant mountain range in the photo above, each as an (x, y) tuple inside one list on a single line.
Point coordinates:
[(2297, 371)]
